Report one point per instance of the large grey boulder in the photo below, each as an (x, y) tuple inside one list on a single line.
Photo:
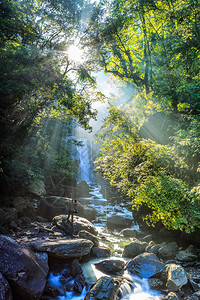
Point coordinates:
[(101, 251), (62, 248), (83, 189), (25, 273), (176, 277), (5, 290), (24, 207), (110, 266), (8, 216), (187, 255), (134, 248), (145, 265), (78, 224), (168, 251), (108, 288), (118, 221), (128, 232), (52, 206)]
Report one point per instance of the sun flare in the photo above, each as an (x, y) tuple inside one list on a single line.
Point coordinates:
[(75, 53)]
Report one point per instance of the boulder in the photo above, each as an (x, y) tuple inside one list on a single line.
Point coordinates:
[(195, 296), (5, 290), (88, 212), (134, 248), (88, 236), (37, 188), (128, 232), (24, 207), (8, 216), (187, 255), (152, 248), (75, 268), (145, 265), (62, 248), (168, 251), (83, 189), (79, 284), (106, 288), (173, 296), (78, 224), (24, 271), (101, 251), (110, 266), (118, 221), (156, 284), (176, 277), (52, 206), (147, 238)]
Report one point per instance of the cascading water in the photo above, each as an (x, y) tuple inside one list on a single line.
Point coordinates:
[(104, 209), (84, 155)]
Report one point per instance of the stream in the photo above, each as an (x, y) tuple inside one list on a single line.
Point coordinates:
[(105, 207)]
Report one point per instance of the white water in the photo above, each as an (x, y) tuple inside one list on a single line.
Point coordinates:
[(104, 209)]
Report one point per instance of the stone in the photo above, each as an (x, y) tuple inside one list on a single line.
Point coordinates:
[(195, 296), (101, 251), (173, 296), (134, 248), (104, 289), (147, 238), (152, 248), (24, 207), (79, 284), (5, 290), (187, 255), (168, 251), (110, 266), (128, 232), (88, 212), (118, 221), (156, 284), (176, 277), (75, 268), (37, 188), (83, 189), (78, 224), (88, 236), (145, 265), (62, 248), (24, 271), (7, 216), (50, 207)]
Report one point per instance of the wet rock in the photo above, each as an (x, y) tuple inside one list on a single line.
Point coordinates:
[(79, 284), (110, 266), (145, 265), (118, 221), (104, 289), (78, 224), (173, 296), (101, 251), (128, 232), (195, 296), (75, 268), (52, 206), (23, 270), (134, 248), (187, 255), (37, 188), (42, 256), (168, 251), (62, 248), (176, 277), (5, 290), (156, 284), (88, 236)]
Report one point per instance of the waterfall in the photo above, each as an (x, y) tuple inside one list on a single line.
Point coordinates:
[(84, 156)]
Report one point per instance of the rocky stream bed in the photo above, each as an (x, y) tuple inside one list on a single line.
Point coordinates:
[(103, 255)]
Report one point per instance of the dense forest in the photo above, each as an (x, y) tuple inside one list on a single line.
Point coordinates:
[(150, 145)]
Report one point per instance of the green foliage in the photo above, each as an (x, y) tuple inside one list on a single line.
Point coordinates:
[(170, 201)]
